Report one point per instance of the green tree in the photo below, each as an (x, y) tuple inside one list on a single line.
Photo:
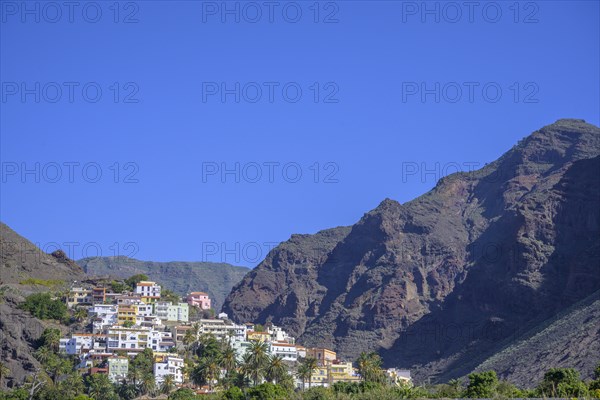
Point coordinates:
[(257, 360), (207, 371), (228, 362), (190, 339), (4, 372), (267, 391), (306, 369), (43, 306), (56, 367), (51, 338), (482, 384), (99, 387), (43, 354), (369, 367), (148, 383), (233, 393), (132, 281), (276, 370), (169, 295), (562, 382), (118, 287), (126, 390), (183, 394), (80, 314), (208, 346), (303, 373), (168, 384)]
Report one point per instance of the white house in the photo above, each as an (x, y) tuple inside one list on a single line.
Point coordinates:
[(148, 290), (285, 350), (132, 339), (279, 335), (104, 315), (170, 365), (78, 343)]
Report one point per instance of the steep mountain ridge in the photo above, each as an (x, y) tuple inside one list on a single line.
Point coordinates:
[(22, 265), (442, 281)]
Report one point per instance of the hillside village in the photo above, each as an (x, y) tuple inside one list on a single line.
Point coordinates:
[(126, 323)]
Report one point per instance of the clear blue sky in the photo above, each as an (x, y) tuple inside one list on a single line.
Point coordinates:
[(369, 122)]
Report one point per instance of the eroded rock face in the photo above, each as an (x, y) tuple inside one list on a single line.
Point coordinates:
[(21, 260), (442, 282)]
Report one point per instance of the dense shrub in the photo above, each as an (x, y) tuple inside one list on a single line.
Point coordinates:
[(43, 306)]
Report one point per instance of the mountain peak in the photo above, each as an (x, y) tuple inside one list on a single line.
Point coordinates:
[(405, 268)]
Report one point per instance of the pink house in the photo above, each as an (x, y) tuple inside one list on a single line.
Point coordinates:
[(199, 299)]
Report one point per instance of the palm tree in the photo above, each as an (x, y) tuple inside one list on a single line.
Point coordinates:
[(310, 365), (134, 374), (228, 360), (80, 314), (276, 371), (4, 372), (168, 384), (208, 371), (257, 360), (51, 338), (369, 367), (43, 354), (303, 373), (148, 384), (99, 386)]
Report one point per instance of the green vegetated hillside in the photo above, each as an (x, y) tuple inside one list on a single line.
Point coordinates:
[(216, 279)]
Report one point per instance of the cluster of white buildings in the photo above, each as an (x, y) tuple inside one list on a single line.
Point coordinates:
[(123, 325)]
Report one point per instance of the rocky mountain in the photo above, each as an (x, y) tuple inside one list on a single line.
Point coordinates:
[(568, 340), (442, 283), (25, 269), (216, 279)]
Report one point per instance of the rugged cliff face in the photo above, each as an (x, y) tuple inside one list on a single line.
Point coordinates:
[(443, 282), (20, 262), (182, 277)]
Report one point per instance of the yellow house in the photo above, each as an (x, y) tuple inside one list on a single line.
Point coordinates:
[(79, 296), (322, 355), (259, 336), (343, 372), (335, 371), (126, 313)]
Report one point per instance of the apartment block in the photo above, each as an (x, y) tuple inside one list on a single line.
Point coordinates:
[(170, 365)]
